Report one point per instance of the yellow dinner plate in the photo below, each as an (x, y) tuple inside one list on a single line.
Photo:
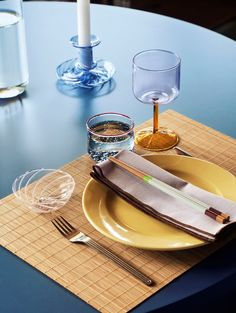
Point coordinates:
[(120, 221)]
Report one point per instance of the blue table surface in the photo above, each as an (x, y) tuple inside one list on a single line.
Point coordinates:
[(46, 128)]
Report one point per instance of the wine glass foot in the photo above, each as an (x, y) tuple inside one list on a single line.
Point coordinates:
[(163, 139)]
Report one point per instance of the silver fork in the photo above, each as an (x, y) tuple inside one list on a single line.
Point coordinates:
[(182, 151), (74, 235)]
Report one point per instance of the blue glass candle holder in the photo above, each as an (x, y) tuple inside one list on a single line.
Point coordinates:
[(84, 71)]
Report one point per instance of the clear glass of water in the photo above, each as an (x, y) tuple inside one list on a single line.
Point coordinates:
[(156, 81), (13, 57), (109, 133)]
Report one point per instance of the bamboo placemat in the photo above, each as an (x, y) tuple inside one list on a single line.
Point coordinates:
[(87, 273)]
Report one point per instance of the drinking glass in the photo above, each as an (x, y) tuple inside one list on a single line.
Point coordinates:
[(13, 58), (109, 133), (156, 81)]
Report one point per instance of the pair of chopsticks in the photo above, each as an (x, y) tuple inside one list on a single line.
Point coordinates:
[(195, 203)]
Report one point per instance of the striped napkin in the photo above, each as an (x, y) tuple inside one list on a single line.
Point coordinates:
[(159, 204)]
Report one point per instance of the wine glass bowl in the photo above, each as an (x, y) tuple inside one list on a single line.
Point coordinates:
[(156, 81)]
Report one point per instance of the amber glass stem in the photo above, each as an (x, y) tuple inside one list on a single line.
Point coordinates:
[(155, 117)]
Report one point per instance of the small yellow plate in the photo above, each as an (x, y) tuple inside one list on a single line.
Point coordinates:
[(120, 221)]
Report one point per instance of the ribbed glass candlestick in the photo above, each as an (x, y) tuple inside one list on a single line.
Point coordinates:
[(84, 71)]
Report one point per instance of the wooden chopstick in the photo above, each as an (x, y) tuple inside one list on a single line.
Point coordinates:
[(178, 194)]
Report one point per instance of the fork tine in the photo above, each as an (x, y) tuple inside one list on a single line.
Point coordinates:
[(55, 223), (62, 226), (66, 224)]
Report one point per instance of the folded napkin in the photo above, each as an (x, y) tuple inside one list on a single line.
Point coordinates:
[(159, 204)]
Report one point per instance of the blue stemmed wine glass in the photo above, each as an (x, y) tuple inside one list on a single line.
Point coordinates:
[(156, 81)]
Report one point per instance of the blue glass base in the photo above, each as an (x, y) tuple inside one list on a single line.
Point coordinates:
[(71, 73), (83, 71)]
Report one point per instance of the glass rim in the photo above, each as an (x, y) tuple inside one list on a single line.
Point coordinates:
[(178, 60), (89, 129)]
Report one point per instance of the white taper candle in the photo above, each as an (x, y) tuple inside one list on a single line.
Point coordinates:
[(83, 19)]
